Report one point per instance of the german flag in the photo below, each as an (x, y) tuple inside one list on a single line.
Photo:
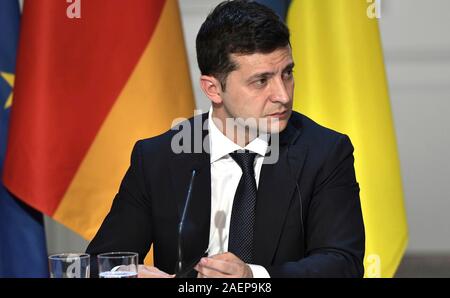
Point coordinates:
[(92, 78)]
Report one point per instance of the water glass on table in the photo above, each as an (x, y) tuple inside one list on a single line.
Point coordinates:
[(118, 265), (69, 265)]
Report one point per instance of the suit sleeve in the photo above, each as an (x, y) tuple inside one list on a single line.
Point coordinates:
[(334, 228), (127, 227)]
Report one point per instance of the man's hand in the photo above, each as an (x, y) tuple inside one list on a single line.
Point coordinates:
[(225, 265), (152, 272)]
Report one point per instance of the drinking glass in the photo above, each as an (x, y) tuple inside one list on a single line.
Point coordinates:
[(69, 265), (118, 265)]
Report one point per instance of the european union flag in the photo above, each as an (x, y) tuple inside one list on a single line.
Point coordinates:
[(23, 251)]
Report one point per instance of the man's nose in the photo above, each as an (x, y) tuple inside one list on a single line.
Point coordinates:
[(279, 91)]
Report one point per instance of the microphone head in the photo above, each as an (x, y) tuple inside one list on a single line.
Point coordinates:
[(196, 167)]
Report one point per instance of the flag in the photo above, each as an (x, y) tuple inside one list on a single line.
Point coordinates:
[(93, 77), (341, 83), (23, 251)]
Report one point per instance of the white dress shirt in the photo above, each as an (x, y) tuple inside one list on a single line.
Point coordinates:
[(225, 177)]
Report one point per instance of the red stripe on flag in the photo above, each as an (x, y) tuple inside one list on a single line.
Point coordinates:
[(69, 74)]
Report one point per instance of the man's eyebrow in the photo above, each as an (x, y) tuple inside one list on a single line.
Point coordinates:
[(261, 76), (290, 66), (269, 74)]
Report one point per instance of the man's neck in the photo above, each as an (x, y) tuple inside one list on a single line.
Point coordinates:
[(238, 134)]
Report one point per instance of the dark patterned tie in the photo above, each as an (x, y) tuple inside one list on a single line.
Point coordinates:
[(244, 208)]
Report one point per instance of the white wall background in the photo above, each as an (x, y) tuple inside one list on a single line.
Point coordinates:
[(417, 53)]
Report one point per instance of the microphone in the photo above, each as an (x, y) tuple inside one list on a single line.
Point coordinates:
[(179, 265)]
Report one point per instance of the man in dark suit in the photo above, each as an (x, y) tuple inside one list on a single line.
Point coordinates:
[(273, 197)]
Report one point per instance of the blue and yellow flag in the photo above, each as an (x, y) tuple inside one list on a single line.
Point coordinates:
[(341, 83), (22, 239)]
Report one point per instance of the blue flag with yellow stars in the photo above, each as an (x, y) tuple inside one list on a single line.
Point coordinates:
[(23, 250)]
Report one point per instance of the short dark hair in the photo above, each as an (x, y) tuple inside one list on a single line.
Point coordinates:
[(237, 27)]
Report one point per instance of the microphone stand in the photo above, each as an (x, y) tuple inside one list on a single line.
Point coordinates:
[(179, 265)]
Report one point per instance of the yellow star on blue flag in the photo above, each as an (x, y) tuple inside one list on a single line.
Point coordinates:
[(9, 79)]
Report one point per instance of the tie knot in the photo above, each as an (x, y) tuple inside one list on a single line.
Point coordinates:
[(244, 159)]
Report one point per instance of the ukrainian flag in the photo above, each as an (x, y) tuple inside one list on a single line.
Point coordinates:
[(341, 83)]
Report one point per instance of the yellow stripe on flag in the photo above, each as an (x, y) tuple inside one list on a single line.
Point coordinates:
[(158, 91), (341, 83)]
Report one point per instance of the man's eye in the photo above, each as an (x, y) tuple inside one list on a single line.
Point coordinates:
[(288, 74), (261, 82)]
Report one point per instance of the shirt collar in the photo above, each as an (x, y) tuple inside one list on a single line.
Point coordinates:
[(220, 146)]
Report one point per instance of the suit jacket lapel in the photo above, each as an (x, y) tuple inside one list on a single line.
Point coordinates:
[(277, 184)]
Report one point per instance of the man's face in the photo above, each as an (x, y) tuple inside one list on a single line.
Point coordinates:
[(261, 88)]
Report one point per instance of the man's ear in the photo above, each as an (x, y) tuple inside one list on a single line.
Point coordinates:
[(212, 88)]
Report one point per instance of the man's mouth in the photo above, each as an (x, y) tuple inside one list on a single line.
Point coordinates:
[(280, 114)]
